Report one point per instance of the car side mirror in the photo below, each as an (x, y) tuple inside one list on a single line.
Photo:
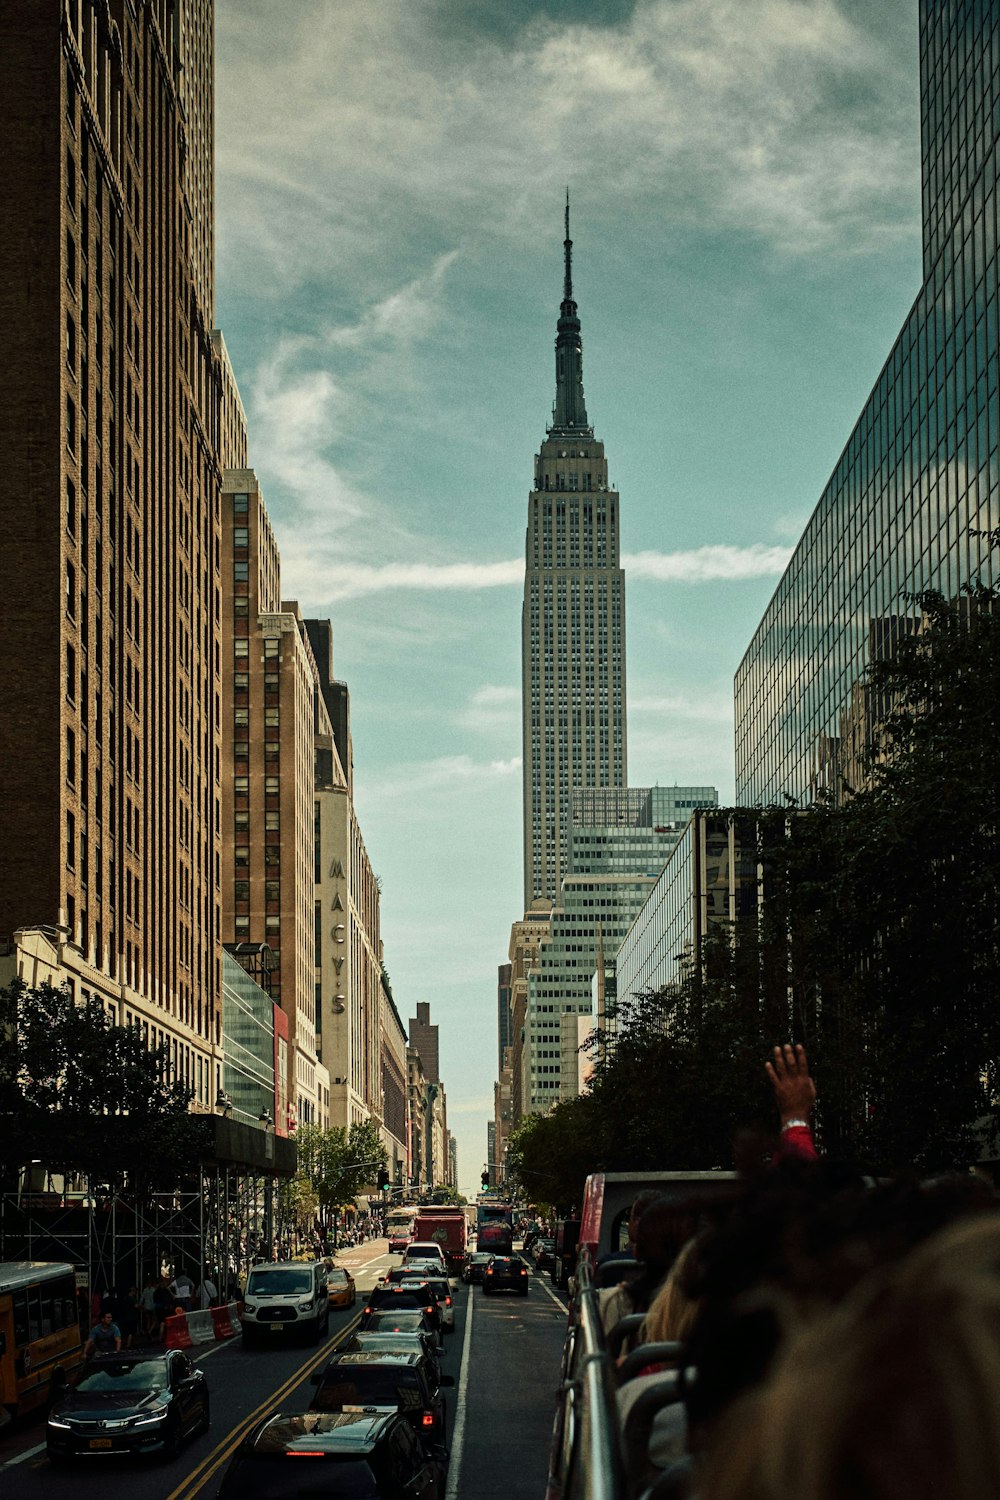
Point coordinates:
[(447, 1380)]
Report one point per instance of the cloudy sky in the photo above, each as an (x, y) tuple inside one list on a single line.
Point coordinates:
[(745, 187)]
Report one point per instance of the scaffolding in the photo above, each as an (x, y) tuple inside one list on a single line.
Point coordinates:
[(219, 1217)]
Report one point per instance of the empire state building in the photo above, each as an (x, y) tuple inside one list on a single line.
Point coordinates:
[(572, 620)]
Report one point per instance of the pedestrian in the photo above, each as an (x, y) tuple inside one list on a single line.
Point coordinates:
[(182, 1290), (147, 1304), (163, 1304), (105, 1337), (125, 1310), (208, 1292)]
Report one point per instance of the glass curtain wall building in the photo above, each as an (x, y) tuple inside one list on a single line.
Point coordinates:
[(710, 878), (917, 485)]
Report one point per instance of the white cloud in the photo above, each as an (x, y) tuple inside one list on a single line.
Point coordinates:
[(715, 709), (333, 579), (709, 564), (786, 120)]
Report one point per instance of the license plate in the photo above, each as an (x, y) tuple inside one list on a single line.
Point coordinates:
[(276, 1327), (100, 1443)]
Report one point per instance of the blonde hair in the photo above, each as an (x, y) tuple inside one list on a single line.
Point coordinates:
[(672, 1312), (894, 1395)]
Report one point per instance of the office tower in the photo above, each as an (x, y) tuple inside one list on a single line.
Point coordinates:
[(711, 879), (362, 1039), (272, 713), (424, 1036), (110, 391), (503, 1013), (614, 865), (917, 486), (526, 936), (572, 620)]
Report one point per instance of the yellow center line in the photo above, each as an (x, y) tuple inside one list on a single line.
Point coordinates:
[(200, 1476)]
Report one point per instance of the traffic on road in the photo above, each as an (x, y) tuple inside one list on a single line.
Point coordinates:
[(420, 1385)]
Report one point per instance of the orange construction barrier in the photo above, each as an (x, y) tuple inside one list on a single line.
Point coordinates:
[(223, 1323), (176, 1332)]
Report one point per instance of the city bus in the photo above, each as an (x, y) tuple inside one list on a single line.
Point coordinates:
[(40, 1341), (399, 1225)]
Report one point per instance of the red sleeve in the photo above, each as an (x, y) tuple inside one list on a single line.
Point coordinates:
[(796, 1141)]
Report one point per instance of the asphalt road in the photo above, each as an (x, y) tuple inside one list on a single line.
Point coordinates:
[(503, 1355)]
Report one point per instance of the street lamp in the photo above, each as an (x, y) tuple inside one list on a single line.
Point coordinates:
[(223, 1103)]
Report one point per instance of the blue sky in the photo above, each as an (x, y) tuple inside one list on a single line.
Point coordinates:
[(390, 177)]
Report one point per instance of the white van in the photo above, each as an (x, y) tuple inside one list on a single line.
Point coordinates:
[(287, 1297)]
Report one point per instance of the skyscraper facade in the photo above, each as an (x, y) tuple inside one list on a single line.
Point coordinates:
[(917, 487), (110, 391), (572, 620)]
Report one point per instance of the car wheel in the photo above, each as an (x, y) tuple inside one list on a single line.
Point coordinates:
[(171, 1444)]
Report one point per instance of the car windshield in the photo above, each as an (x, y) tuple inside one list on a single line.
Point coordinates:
[(336, 1277), (368, 1385), (133, 1375), (282, 1281), (401, 1322), (390, 1297), (328, 1476)]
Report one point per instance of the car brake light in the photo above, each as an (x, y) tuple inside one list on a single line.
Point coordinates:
[(367, 1309), (304, 1453), (447, 1302), (428, 1309), (427, 1420), (524, 1271)]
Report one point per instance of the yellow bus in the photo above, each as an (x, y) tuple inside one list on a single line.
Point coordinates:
[(40, 1343)]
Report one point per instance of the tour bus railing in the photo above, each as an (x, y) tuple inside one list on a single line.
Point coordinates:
[(587, 1460)]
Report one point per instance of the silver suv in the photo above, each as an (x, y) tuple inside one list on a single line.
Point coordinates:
[(287, 1297)]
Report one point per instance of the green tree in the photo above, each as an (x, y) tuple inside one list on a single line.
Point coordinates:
[(81, 1093)]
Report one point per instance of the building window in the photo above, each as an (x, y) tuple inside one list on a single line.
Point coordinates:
[(71, 591), (241, 504), (70, 840), (241, 536), (241, 649), (70, 425)]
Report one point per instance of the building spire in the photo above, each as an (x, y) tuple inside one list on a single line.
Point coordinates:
[(569, 414)]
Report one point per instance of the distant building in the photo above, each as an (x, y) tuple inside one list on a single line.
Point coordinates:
[(711, 878), (525, 938), (614, 866), (572, 621), (503, 1013), (914, 494), (424, 1036)]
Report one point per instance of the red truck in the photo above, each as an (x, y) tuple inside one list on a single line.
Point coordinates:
[(445, 1227)]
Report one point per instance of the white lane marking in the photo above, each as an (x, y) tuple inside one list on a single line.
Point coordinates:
[(458, 1432), (562, 1306), (23, 1457)]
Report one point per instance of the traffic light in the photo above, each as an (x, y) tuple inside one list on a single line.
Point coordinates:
[(485, 1179), (383, 1179)]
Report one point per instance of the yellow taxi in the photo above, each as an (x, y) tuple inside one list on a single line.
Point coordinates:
[(340, 1287)]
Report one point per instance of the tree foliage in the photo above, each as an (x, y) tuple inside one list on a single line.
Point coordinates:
[(84, 1094), (340, 1162), (876, 942)]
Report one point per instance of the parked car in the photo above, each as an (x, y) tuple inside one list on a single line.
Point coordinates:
[(139, 1402), (285, 1298), (364, 1455), (475, 1266), (506, 1273), (340, 1287), (371, 1378)]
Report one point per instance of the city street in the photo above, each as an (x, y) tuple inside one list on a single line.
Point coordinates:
[(503, 1354)]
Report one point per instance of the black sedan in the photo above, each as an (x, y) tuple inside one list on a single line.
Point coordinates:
[(383, 1377), (130, 1403), (543, 1253), (506, 1273), (474, 1268), (363, 1455), (400, 1298)]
